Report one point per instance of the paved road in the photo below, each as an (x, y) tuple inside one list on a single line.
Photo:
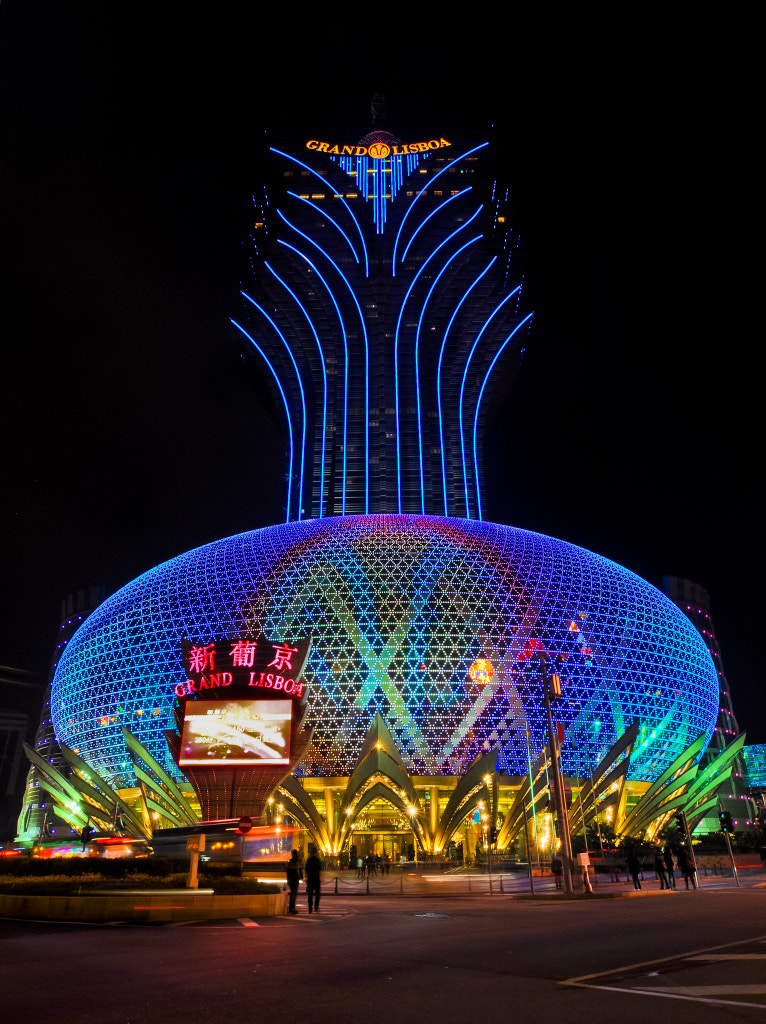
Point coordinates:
[(690, 956)]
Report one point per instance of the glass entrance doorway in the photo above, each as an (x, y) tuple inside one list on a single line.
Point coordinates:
[(382, 831)]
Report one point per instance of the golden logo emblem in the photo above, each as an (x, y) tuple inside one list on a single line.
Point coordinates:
[(379, 150), (481, 671)]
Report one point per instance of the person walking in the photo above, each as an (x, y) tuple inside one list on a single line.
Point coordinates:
[(686, 866), (294, 874), (313, 868), (659, 867), (557, 870), (634, 867), (667, 856)]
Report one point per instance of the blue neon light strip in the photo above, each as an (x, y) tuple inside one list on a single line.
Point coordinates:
[(329, 291), (428, 185), (275, 375), (352, 293), (478, 404), (263, 313), (491, 316), (396, 351), (439, 375), (378, 180), (430, 215), (417, 368), (324, 382), (336, 195), (326, 217)]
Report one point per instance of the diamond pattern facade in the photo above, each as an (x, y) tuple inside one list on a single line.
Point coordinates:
[(435, 623)]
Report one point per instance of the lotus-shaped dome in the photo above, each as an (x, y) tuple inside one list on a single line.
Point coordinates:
[(437, 624)]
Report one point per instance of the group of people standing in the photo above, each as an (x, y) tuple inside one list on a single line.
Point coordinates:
[(664, 866), (372, 864)]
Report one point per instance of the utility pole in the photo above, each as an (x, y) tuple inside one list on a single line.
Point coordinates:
[(551, 692)]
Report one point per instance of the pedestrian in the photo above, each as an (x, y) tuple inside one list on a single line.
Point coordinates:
[(686, 866), (667, 856), (360, 867), (634, 867), (388, 864), (313, 868), (294, 875), (659, 867), (557, 869)]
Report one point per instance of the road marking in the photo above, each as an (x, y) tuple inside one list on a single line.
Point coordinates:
[(728, 956), (660, 960), (248, 922), (667, 994), (710, 990)]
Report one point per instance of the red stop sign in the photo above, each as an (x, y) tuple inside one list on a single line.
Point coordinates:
[(244, 826)]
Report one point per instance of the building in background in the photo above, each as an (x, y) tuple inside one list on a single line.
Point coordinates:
[(36, 818), (20, 696), (694, 602)]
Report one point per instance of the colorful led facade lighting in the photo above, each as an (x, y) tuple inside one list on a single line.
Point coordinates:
[(395, 320), (381, 306), (434, 623)]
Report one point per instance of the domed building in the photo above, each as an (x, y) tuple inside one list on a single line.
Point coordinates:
[(433, 623)]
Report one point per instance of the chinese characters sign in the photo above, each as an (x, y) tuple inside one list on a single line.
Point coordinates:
[(245, 664)]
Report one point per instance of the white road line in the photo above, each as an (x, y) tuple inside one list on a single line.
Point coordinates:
[(728, 956), (248, 922), (660, 960), (711, 990), (671, 995)]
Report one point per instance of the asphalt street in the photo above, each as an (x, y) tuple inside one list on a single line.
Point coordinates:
[(693, 956)]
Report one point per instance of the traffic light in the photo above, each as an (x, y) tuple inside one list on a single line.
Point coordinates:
[(86, 835), (493, 835), (681, 820), (724, 817)]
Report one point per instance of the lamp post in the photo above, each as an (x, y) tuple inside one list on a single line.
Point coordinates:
[(551, 692)]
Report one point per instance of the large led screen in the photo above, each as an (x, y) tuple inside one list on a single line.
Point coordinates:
[(222, 732)]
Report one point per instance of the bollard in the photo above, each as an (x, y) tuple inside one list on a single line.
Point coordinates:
[(368, 886), (336, 885), (469, 883), (501, 885)]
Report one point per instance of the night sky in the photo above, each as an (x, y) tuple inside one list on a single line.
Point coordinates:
[(130, 150)]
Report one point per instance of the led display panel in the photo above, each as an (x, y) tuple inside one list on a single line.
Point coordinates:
[(231, 732)]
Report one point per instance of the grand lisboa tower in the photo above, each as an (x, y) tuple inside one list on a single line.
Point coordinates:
[(384, 305)]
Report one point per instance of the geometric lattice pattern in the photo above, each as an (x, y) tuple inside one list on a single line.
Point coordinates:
[(432, 622)]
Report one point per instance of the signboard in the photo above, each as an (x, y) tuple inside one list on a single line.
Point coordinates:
[(245, 665), (377, 150), (244, 825), (236, 732), (196, 844)]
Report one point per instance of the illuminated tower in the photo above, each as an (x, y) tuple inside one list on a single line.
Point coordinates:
[(383, 302)]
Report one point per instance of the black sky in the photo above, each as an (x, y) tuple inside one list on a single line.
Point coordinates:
[(130, 151)]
